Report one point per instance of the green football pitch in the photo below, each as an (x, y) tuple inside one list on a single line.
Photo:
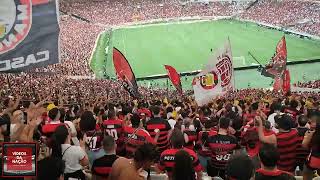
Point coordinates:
[(187, 45)]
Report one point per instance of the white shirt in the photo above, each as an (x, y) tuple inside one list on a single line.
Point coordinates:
[(271, 120), (172, 123), (72, 157)]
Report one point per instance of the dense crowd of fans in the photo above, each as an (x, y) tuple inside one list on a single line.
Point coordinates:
[(299, 15), (124, 138), (88, 128), (310, 84)]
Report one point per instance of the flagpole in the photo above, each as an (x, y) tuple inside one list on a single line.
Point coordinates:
[(234, 79), (254, 58), (167, 87)]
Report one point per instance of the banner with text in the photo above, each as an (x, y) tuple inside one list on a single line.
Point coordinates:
[(29, 34)]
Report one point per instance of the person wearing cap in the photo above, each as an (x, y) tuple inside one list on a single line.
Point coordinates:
[(286, 140), (240, 167)]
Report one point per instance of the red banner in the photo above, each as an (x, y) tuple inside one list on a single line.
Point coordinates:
[(174, 77), (125, 73), (286, 82)]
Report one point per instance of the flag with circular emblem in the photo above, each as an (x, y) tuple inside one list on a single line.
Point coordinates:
[(217, 78)]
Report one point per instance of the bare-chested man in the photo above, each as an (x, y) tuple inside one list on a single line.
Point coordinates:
[(124, 169)]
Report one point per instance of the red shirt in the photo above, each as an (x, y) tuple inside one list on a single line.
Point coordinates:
[(48, 129)]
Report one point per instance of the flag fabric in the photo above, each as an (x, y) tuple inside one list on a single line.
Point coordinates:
[(125, 73), (276, 68), (174, 77), (286, 82), (217, 78), (29, 37), (277, 64)]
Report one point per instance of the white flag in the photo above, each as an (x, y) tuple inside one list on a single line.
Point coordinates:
[(217, 78)]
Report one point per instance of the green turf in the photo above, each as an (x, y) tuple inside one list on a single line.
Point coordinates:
[(186, 46)]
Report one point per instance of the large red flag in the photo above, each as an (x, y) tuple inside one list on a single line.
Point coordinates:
[(277, 65), (125, 73), (174, 77)]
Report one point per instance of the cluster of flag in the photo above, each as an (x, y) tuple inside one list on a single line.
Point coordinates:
[(216, 79)]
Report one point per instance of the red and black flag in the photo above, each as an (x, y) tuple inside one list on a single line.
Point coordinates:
[(125, 73), (277, 66), (174, 77)]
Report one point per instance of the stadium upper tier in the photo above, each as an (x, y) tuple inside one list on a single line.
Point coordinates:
[(78, 36)]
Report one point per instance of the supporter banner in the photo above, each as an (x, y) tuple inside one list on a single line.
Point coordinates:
[(217, 78), (125, 73), (174, 77), (29, 33), (19, 160)]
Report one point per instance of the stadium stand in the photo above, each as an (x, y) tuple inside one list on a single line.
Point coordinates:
[(68, 91)]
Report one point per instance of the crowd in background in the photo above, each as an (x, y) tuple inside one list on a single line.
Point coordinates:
[(310, 84)]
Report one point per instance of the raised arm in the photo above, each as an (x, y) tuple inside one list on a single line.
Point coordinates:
[(266, 139)]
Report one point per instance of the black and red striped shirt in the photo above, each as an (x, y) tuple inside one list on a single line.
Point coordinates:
[(167, 160), (222, 147), (164, 127), (302, 152), (114, 128), (277, 174), (101, 167), (135, 138), (205, 150), (313, 160), (192, 138), (94, 140), (287, 143)]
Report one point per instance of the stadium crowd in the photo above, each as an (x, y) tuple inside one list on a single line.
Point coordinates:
[(310, 84), (89, 128), (124, 138)]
